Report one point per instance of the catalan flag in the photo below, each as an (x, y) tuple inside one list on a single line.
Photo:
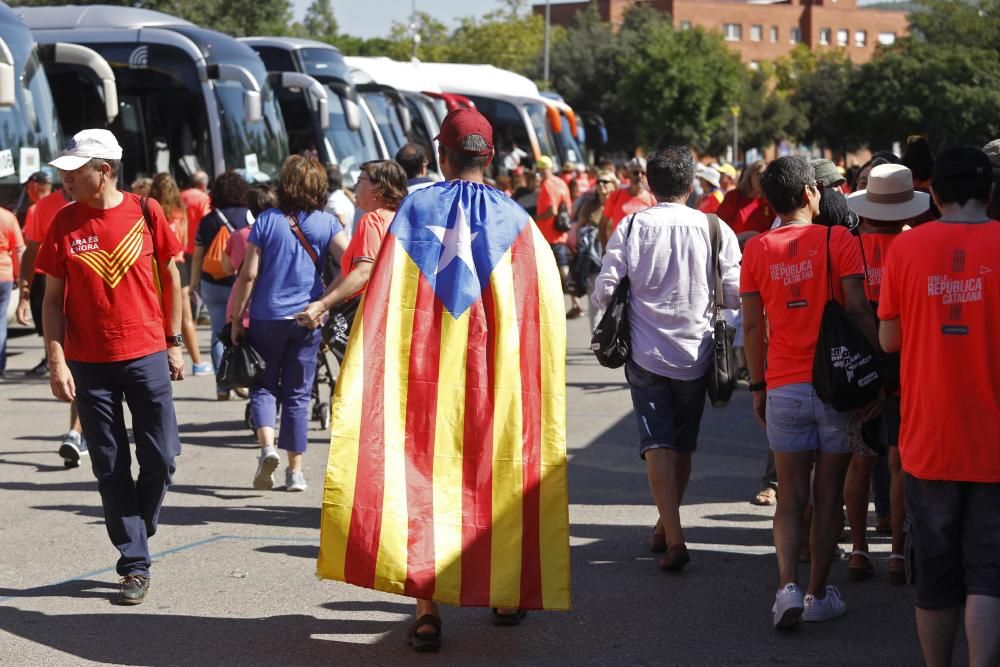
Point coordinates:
[(447, 471)]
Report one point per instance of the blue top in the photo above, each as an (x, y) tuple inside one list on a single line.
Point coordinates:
[(287, 279)]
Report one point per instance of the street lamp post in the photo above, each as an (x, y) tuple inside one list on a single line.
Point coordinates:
[(735, 110), (545, 65)]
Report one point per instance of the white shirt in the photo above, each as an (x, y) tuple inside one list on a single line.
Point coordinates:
[(339, 205), (667, 258)]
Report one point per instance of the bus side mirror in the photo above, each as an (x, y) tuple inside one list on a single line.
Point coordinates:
[(8, 90), (352, 114), (315, 89), (74, 54), (252, 106)]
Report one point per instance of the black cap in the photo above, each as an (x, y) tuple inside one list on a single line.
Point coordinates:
[(962, 162), (40, 177)]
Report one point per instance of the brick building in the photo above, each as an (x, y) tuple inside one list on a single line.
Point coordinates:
[(766, 29)]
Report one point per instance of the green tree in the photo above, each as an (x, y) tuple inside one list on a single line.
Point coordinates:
[(433, 44), (950, 23), (319, 21)]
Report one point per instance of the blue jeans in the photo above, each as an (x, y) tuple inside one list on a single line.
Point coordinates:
[(797, 421), (289, 351), (215, 298), (668, 411), (131, 507), (5, 290)]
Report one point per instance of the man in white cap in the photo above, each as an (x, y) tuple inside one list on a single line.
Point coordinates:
[(111, 336), (712, 194)]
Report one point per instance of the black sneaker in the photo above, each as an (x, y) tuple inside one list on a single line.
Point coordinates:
[(39, 371), (133, 589)]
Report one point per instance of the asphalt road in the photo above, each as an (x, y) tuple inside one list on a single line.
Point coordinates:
[(234, 571)]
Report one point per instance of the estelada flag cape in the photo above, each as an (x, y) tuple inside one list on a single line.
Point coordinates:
[(447, 470)]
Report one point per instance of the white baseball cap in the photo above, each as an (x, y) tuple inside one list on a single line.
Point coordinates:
[(85, 146)]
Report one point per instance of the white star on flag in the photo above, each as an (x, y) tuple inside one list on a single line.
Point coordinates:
[(456, 242)]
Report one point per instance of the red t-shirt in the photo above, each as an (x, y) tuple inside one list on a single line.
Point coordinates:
[(876, 249), (621, 204), (11, 243), (40, 217), (367, 239), (112, 306), (551, 193), (711, 201), (787, 267), (942, 280), (198, 204), (744, 214)]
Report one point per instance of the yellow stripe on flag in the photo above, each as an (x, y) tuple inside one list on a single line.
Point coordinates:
[(554, 502), (390, 569), (449, 434), (508, 471), (342, 463)]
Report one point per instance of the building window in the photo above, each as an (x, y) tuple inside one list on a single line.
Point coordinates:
[(732, 31), (860, 38), (685, 25), (824, 36), (756, 33), (774, 34), (887, 38), (795, 36), (843, 37)]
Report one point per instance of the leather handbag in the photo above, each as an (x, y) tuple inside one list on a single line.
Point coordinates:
[(611, 342), (722, 375), (241, 364)]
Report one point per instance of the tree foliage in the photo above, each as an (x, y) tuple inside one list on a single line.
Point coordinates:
[(319, 21)]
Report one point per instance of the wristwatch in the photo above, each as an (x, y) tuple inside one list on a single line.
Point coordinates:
[(175, 341), (757, 386)]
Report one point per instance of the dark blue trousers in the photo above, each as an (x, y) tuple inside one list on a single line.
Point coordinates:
[(131, 507)]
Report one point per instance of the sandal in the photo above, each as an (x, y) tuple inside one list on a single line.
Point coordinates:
[(675, 560), (860, 572), (508, 619), (425, 642), (897, 570), (766, 497), (574, 313), (658, 542)]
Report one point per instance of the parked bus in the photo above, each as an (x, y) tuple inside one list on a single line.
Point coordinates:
[(189, 98), (351, 136)]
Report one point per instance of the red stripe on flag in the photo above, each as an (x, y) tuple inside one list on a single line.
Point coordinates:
[(477, 454), (421, 414), (526, 300), (366, 518)]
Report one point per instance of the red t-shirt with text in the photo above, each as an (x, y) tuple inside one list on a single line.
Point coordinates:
[(942, 280), (787, 267), (552, 192), (105, 257), (621, 204)]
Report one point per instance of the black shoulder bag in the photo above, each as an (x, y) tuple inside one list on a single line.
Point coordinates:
[(611, 342), (847, 370), (563, 221), (722, 375), (337, 330)]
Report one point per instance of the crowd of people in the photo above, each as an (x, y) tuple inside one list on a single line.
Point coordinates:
[(905, 246)]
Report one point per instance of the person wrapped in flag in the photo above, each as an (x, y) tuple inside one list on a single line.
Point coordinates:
[(446, 479)]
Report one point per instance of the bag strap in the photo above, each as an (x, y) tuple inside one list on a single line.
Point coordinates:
[(144, 205), (864, 261), (225, 220), (829, 264), (715, 237), (628, 233), (294, 224)]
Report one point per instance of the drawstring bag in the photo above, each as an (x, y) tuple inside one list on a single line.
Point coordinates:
[(847, 369), (611, 342)]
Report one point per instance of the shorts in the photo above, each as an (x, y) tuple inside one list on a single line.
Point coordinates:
[(36, 296), (184, 269), (892, 418), (798, 421), (956, 540), (563, 254), (667, 411)]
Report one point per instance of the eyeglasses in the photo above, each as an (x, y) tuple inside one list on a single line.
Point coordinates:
[(605, 182)]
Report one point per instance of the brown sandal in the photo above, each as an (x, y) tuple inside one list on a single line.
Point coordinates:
[(425, 642), (766, 497)]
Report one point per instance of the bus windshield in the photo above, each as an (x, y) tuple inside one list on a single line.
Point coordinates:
[(569, 148), (387, 119), (351, 147), (539, 121), (28, 126), (259, 148)]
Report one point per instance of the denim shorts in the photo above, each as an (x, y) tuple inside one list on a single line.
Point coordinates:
[(563, 254), (956, 540), (798, 421), (668, 411)]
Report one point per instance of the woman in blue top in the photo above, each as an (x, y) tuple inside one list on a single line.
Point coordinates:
[(287, 247)]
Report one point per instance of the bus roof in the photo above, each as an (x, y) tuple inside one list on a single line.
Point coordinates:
[(483, 81), (290, 43), (405, 76), (95, 17)]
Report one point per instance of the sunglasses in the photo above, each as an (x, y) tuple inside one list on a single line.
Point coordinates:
[(605, 182)]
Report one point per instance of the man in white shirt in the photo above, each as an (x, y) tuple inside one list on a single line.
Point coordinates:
[(666, 253), (338, 203)]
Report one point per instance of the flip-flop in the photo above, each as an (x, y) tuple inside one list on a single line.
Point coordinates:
[(508, 619), (766, 497), (860, 572), (425, 642)]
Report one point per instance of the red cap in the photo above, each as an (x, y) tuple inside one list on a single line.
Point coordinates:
[(459, 124)]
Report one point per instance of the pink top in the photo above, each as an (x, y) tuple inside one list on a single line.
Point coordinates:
[(236, 250)]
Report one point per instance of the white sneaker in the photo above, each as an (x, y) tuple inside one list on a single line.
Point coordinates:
[(787, 607), (267, 463), (72, 449), (294, 480), (829, 607)]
